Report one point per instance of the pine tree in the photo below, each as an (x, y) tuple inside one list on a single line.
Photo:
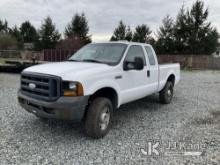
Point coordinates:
[(181, 32), (78, 27), (28, 32), (48, 34), (7, 41), (16, 34), (119, 32), (203, 38), (4, 27), (142, 34), (129, 34), (193, 33), (122, 32), (165, 42)]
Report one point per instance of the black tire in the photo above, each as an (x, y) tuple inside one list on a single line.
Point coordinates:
[(95, 118), (166, 94)]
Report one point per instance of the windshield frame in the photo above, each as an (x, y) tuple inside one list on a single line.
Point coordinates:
[(103, 62)]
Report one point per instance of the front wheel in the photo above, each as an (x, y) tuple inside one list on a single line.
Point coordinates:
[(98, 117), (166, 94)]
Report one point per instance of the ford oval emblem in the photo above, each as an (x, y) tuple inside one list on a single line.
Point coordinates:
[(32, 85)]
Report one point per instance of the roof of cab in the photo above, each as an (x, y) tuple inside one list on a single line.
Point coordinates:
[(126, 42)]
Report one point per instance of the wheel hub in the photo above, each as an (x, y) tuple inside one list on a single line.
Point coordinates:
[(169, 92), (104, 118)]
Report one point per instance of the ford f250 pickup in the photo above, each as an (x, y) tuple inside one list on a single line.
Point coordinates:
[(95, 82)]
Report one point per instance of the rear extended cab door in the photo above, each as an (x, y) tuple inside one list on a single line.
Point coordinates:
[(153, 69)]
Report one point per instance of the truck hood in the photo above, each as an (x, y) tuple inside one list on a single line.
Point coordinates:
[(63, 68)]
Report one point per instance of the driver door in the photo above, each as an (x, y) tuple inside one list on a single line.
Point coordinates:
[(138, 79)]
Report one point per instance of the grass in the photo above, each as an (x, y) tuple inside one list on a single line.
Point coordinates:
[(2, 60)]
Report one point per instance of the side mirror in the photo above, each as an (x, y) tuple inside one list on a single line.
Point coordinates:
[(138, 64)]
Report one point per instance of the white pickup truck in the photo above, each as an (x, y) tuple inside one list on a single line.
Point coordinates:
[(96, 81)]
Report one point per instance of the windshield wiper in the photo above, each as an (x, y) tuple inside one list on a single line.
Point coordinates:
[(91, 60), (74, 60), (87, 60)]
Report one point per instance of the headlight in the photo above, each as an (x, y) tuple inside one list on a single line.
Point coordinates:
[(72, 88), (72, 85)]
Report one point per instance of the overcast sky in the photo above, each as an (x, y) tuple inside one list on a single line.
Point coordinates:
[(103, 16)]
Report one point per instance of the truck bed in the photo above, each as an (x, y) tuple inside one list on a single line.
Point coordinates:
[(165, 70)]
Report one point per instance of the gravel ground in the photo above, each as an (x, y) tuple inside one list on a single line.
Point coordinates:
[(192, 119)]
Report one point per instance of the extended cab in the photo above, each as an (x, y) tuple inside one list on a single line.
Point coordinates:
[(96, 81)]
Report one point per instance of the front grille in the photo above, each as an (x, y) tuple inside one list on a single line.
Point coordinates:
[(40, 86)]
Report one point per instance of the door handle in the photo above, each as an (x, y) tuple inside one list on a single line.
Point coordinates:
[(118, 77), (148, 73)]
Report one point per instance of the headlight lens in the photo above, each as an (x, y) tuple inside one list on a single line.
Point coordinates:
[(72, 85), (72, 88)]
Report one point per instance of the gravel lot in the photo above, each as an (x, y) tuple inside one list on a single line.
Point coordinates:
[(193, 118)]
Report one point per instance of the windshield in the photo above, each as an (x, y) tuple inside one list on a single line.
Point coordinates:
[(108, 53)]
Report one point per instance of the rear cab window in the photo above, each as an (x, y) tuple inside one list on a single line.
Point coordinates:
[(150, 55)]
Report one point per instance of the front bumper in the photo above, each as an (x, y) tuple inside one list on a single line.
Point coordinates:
[(67, 108)]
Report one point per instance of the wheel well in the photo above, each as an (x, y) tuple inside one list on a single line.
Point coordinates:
[(171, 78), (107, 92)]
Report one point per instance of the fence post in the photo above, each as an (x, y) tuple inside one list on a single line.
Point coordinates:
[(60, 56), (189, 62), (50, 54)]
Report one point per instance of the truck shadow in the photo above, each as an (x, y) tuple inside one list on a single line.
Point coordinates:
[(147, 104), (136, 110), (132, 111)]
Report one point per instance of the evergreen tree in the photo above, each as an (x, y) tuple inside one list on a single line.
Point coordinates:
[(203, 38), (152, 42), (165, 42), (119, 32), (129, 34), (193, 33), (7, 41), (16, 34), (210, 41), (122, 32), (78, 27), (142, 34), (28, 32), (4, 27), (48, 35), (181, 31)]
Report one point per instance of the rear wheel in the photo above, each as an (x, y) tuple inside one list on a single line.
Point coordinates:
[(166, 94), (98, 117)]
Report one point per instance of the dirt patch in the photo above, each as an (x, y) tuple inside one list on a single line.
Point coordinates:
[(214, 118), (209, 82), (216, 114)]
